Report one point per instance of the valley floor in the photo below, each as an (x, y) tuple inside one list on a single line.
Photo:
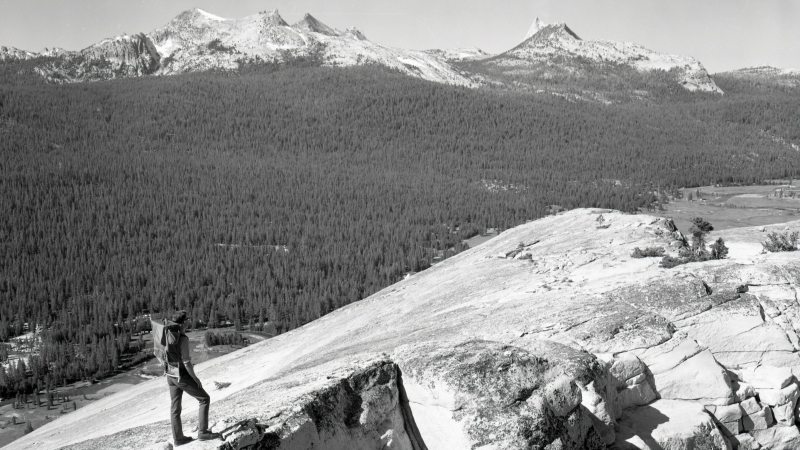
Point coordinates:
[(734, 206)]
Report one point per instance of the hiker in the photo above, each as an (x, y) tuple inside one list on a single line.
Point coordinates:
[(186, 381)]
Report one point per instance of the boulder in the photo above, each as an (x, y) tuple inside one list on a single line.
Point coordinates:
[(636, 395), (784, 414), (774, 397), (728, 413), (245, 437), (765, 377), (594, 397), (778, 438), (700, 378), (758, 420), (562, 395), (768, 414), (476, 393), (626, 366), (742, 391), (674, 425), (731, 428), (750, 406), (744, 442)]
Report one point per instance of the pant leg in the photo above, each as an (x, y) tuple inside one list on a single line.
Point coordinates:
[(190, 387), (176, 396)]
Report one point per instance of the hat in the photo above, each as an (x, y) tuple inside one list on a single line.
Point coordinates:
[(179, 317)]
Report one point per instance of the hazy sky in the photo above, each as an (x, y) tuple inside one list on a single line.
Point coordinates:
[(722, 34)]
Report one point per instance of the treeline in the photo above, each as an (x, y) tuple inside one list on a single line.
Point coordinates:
[(282, 194), (212, 338), (57, 363)]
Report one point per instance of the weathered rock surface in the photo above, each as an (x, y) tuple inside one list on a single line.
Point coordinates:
[(674, 425), (577, 345), (710, 382), (778, 438), (744, 442)]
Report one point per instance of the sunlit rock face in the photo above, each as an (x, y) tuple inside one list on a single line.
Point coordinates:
[(549, 336), (118, 57), (549, 43), (197, 40)]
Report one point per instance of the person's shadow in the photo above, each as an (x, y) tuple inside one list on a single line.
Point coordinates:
[(647, 419)]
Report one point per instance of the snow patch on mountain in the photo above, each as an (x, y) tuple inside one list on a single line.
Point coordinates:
[(783, 77), (535, 27), (193, 41), (197, 40), (209, 15), (460, 54), (547, 42)]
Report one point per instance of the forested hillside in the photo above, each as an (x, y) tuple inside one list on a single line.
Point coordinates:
[(280, 194)]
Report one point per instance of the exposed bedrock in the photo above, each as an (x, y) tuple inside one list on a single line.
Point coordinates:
[(360, 412), (549, 336), (488, 395), (122, 56)]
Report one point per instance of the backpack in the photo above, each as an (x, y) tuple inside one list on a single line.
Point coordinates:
[(166, 346)]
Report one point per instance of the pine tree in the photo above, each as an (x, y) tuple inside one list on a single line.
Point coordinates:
[(699, 229)]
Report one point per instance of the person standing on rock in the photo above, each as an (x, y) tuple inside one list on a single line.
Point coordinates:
[(186, 381)]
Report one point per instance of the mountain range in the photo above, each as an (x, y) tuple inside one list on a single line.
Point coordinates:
[(197, 40)]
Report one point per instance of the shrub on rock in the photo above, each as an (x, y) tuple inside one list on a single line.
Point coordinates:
[(649, 252), (784, 242), (697, 251), (718, 249)]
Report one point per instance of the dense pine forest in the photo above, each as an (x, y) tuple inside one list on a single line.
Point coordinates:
[(280, 194)]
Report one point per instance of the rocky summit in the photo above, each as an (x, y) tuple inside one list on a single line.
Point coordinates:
[(197, 40), (549, 336), (548, 43)]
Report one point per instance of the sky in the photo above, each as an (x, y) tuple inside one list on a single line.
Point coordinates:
[(722, 34)]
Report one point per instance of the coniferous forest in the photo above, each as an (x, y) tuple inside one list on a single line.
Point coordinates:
[(280, 194)]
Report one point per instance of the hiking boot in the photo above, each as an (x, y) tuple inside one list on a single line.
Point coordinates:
[(183, 440), (208, 436)]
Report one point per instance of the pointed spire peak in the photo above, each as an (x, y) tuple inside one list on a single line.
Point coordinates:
[(274, 18), (207, 14), (535, 27), (310, 23), (545, 31)]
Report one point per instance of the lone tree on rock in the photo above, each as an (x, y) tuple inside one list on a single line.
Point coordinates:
[(699, 230)]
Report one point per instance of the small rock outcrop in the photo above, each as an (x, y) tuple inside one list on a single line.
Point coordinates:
[(122, 56), (549, 336)]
